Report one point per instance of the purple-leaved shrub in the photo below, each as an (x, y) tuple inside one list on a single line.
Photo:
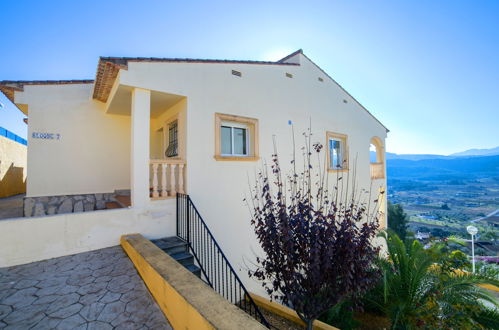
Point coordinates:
[(316, 230)]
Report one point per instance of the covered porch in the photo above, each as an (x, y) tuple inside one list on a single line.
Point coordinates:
[(157, 141)]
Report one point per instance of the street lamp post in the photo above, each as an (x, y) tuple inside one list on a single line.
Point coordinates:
[(472, 230)]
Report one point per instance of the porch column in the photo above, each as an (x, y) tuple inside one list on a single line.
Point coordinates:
[(139, 183)]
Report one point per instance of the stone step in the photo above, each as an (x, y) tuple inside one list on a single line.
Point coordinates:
[(194, 269), (171, 245), (183, 258), (113, 205), (178, 249), (124, 201)]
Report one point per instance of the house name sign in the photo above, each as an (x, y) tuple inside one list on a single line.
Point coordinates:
[(46, 136)]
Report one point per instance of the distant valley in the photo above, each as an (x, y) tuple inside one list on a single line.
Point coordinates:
[(443, 193)]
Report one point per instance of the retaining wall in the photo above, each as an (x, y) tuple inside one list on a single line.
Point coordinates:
[(25, 240), (13, 160), (50, 205)]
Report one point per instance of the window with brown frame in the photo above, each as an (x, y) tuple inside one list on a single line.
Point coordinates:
[(337, 152), (236, 138)]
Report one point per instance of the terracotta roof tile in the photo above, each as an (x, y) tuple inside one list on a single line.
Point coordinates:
[(9, 87), (124, 60), (107, 71), (46, 82)]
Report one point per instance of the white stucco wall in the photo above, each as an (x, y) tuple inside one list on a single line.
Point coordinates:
[(216, 187), (27, 240), (92, 154), (265, 93)]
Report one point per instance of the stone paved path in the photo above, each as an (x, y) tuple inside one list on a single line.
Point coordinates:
[(92, 290)]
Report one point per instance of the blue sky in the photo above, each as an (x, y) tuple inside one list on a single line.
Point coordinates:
[(429, 70)]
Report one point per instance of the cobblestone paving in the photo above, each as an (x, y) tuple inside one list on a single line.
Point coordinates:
[(92, 290)]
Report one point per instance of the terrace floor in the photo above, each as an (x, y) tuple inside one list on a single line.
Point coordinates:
[(93, 290)]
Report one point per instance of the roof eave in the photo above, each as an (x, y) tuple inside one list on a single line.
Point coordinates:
[(108, 69)]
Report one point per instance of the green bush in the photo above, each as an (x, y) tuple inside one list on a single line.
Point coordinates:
[(419, 289), (341, 316)]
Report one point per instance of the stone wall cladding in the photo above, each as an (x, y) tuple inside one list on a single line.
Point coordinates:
[(50, 205)]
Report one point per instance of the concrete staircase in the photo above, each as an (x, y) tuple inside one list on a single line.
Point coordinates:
[(178, 250)]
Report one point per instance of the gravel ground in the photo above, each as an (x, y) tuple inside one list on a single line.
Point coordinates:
[(278, 322)]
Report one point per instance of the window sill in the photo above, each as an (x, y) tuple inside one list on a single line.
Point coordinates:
[(337, 170), (237, 158)]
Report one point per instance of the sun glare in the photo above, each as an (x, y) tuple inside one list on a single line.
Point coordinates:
[(276, 54)]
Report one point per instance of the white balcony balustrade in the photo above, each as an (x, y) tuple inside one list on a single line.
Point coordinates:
[(167, 178)]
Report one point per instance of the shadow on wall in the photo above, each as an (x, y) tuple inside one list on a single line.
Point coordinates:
[(12, 181)]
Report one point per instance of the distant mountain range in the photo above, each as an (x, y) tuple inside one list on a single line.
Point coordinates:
[(449, 168), (467, 153), (390, 156), (469, 164), (478, 152)]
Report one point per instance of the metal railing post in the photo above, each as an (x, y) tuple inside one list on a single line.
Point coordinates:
[(188, 204), (213, 263), (178, 214)]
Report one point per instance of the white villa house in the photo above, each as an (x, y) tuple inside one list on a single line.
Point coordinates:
[(106, 157)]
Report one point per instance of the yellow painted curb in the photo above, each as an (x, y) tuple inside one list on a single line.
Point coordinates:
[(177, 310), (287, 312), (186, 301)]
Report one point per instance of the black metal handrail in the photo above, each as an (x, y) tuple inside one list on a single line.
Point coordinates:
[(215, 267)]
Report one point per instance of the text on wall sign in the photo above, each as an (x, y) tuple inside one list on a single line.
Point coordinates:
[(46, 136)]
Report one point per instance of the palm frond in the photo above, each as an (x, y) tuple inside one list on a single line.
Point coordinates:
[(413, 288), (487, 318)]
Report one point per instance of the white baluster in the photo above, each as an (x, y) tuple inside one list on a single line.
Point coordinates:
[(181, 179), (164, 192), (173, 192), (155, 180)]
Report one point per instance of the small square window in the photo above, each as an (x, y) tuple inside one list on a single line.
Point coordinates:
[(236, 137), (337, 152)]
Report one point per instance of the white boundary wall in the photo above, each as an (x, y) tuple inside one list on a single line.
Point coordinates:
[(25, 240)]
